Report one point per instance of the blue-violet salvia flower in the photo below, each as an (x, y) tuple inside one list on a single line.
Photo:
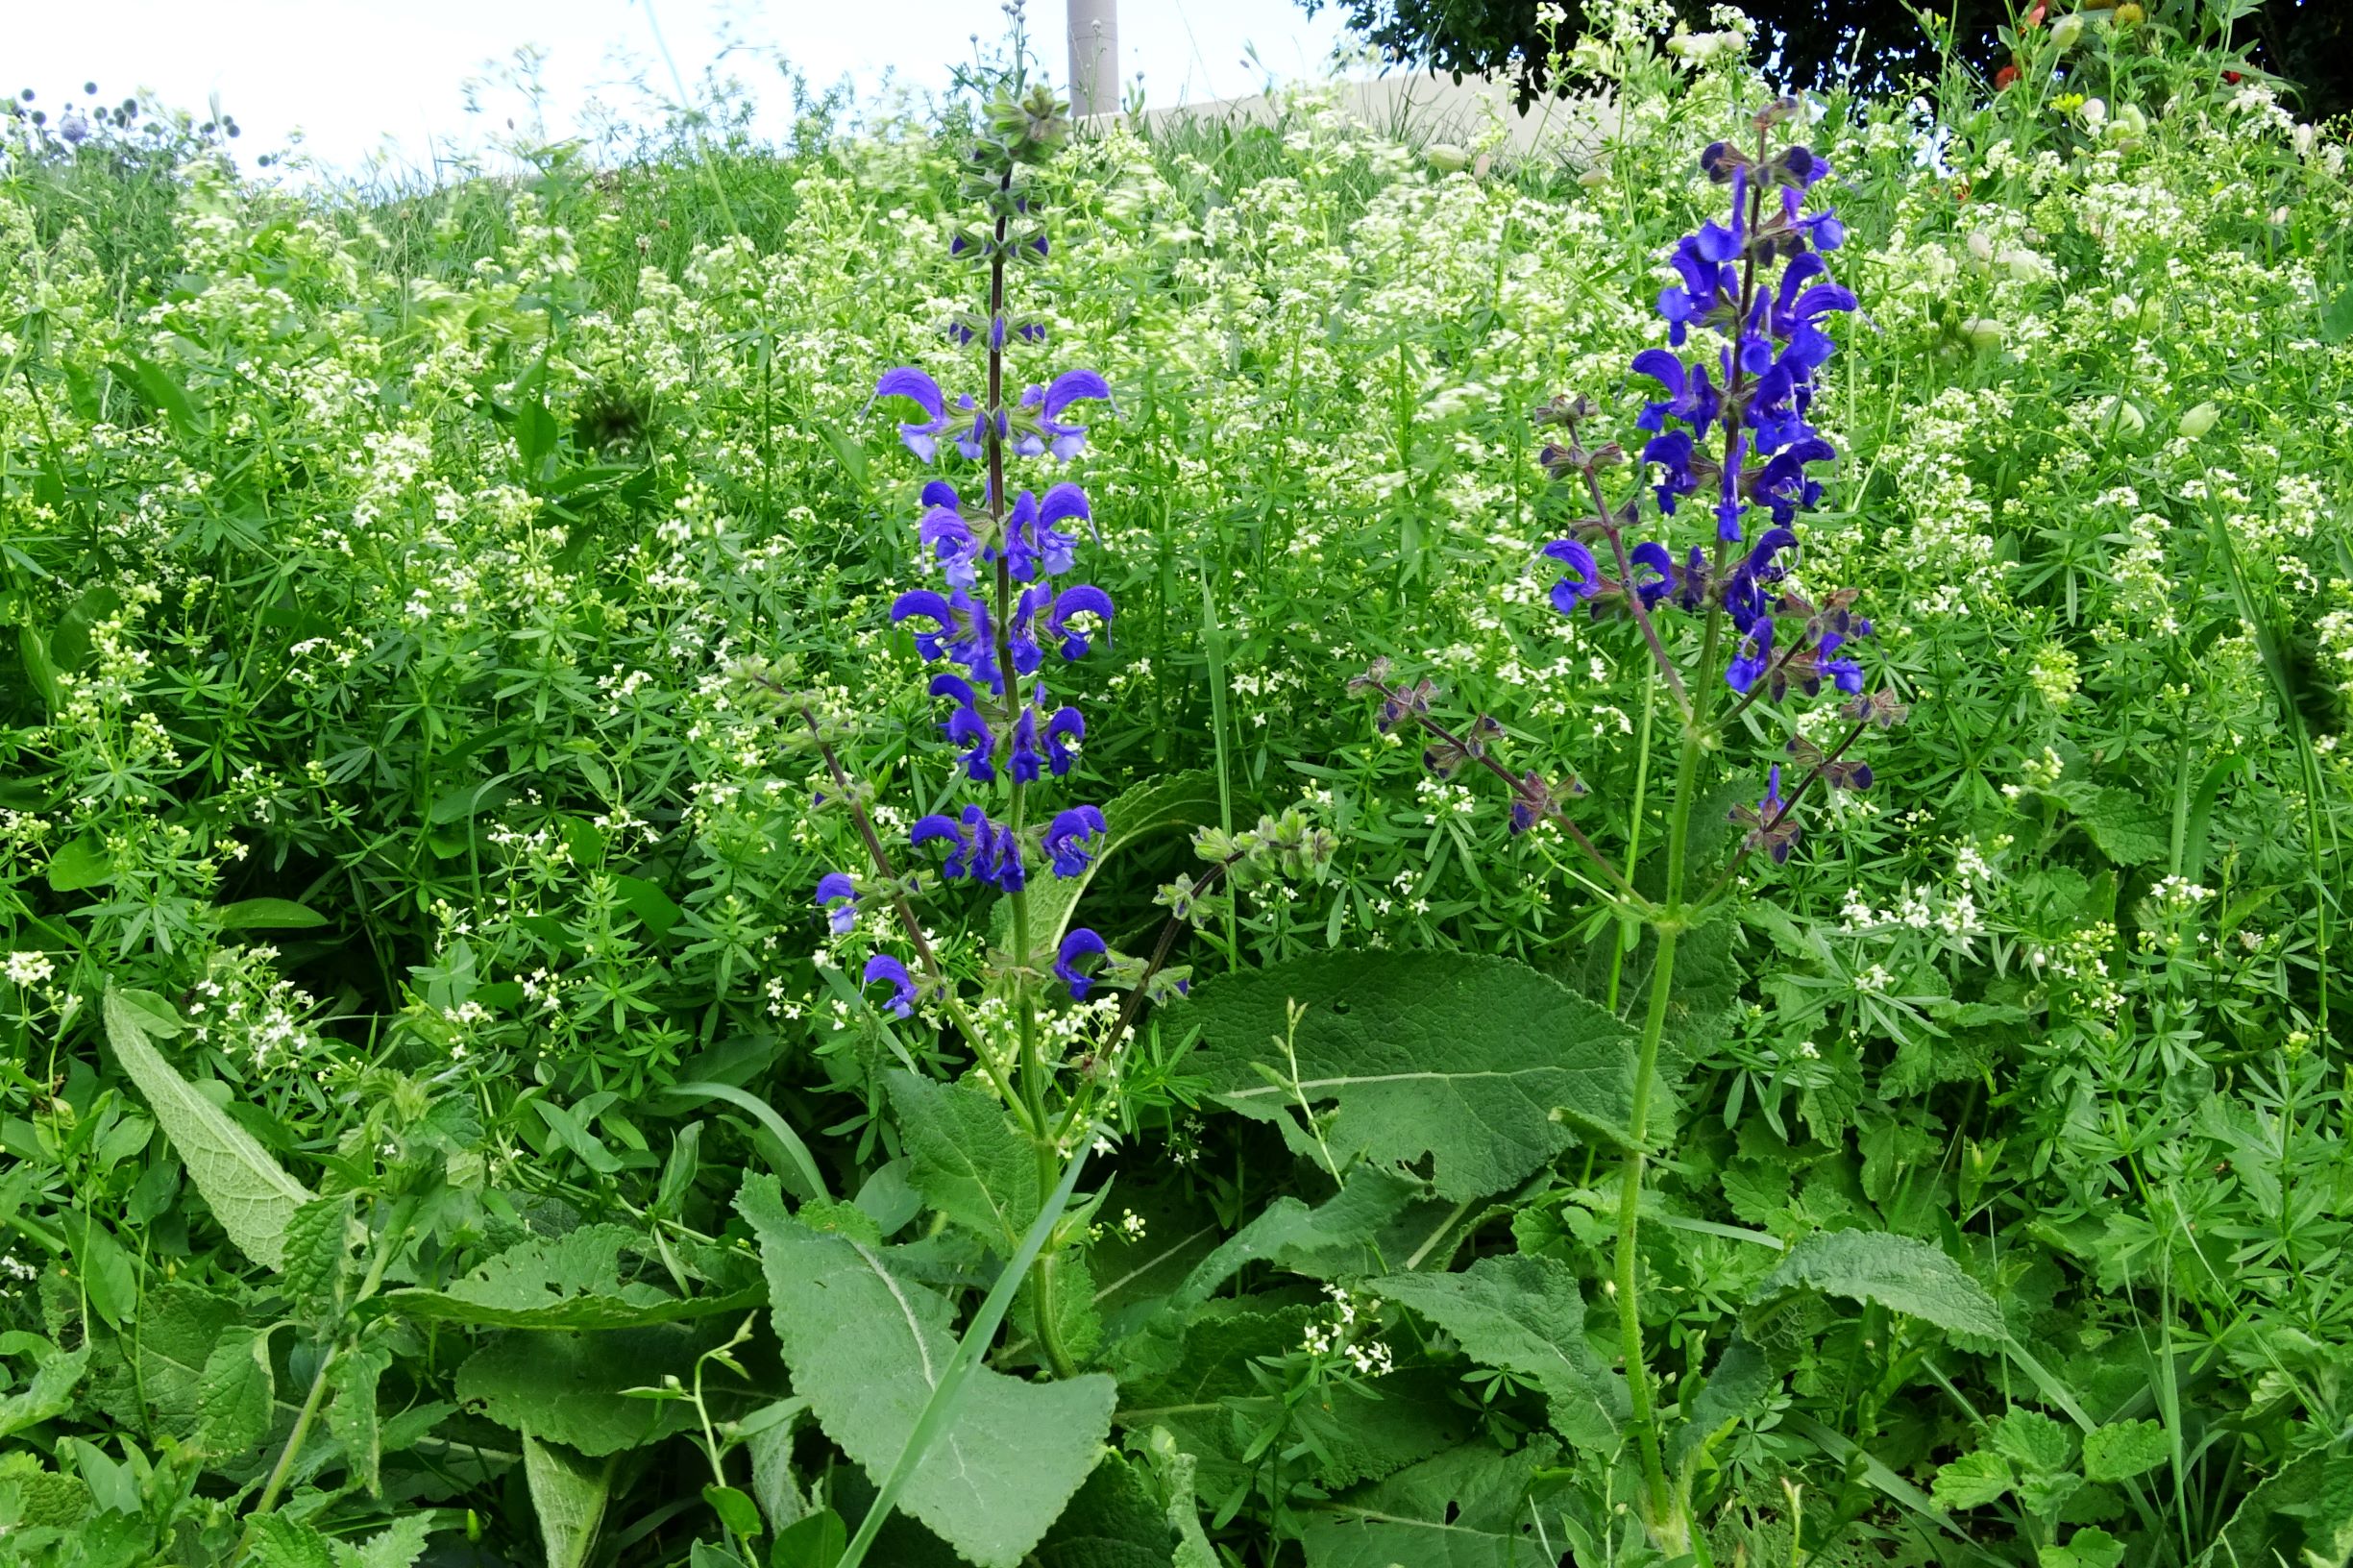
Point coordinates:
[(1079, 943), (883, 966), (838, 896), (1068, 839), (1582, 579), (979, 849), (906, 381)]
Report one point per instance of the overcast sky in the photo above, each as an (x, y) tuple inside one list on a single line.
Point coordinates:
[(363, 76)]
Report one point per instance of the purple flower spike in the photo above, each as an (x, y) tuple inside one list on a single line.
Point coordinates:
[(838, 896), (1079, 943), (883, 966)]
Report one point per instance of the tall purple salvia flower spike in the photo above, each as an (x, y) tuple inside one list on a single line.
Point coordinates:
[(1748, 326)]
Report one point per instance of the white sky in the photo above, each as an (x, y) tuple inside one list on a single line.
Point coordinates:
[(363, 76)]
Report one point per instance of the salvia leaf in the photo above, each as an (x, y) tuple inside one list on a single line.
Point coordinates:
[(867, 1348), (248, 1192), (1482, 1067)]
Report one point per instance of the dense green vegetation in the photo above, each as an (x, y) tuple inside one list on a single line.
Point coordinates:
[(442, 1125)]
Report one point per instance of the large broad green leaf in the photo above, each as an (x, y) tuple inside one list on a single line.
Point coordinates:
[(1526, 1314), (1327, 1240), (867, 1348), (572, 1388), (572, 1280), (569, 1493), (1481, 1065), (250, 1194), (967, 1158), (1898, 1272), (1466, 1508)]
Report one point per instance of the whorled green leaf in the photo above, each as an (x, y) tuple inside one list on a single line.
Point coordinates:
[(574, 1281), (867, 1348), (1898, 1272), (1481, 1065), (569, 1492), (267, 915), (248, 1192), (1527, 1315), (967, 1158), (1464, 1509)]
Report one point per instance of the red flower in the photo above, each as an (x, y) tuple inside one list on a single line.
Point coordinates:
[(2232, 77), (2005, 77), (2034, 17)]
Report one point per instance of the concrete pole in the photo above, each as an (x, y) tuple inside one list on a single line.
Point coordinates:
[(1094, 58)]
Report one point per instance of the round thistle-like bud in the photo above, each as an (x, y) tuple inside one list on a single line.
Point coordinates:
[(2129, 15), (1446, 157)]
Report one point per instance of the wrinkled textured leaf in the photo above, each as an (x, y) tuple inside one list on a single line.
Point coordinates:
[(34, 1496), (1527, 1315), (967, 1158), (568, 1388), (179, 1323), (248, 1191), (47, 1394), (283, 1542), (569, 1492), (1972, 1481), (1481, 1065), (233, 1399), (399, 1545), (2123, 1450), (1324, 1242), (1461, 1509), (1898, 1272), (351, 1412), (1114, 1522), (866, 1348), (572, 1280)]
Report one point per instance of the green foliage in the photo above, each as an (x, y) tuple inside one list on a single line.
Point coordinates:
[(1479, 1066), (868, 1347), (416, 1021), (248, 1192)]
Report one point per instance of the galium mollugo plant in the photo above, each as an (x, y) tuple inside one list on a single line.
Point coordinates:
[(1748, 315)]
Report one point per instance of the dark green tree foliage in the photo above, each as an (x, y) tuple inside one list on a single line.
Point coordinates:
[(1886, 41)]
